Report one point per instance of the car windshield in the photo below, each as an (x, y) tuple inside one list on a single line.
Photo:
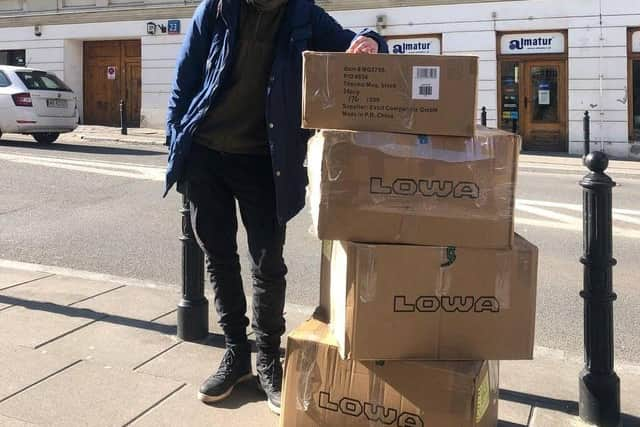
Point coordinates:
[(39, 80)]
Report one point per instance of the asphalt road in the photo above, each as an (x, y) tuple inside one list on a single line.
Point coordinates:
[(98, 207)]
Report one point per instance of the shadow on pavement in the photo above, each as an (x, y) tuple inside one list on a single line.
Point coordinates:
[(567, 406), (244, 393), (86, 313), (213, 339), (86, 149)]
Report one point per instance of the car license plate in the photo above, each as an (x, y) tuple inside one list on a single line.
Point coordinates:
[(57, 103)]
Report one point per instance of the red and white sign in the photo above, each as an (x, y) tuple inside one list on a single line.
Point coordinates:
[(111, 72)]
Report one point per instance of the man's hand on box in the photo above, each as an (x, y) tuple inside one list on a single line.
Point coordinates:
[(363, 44)]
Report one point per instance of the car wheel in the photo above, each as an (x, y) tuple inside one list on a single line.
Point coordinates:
[(45, 138)]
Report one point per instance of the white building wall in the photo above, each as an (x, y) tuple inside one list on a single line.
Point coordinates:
[(597, 52)]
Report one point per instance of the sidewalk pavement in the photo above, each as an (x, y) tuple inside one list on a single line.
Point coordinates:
[(144, 136), (102, 352)]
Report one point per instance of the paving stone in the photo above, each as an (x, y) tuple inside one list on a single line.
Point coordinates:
[(114, 344), (133, 302), (513, 413), (548, 418), (88, 394), (22, 367), (62, 290), (10, 276), (12, 422), (245, 407), (188, 362), (41, 323)]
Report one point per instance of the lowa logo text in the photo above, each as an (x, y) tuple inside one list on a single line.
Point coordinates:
[(449, 304), (370, 411), (425, 187)]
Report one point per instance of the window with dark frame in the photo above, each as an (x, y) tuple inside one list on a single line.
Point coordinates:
[(16, 57)]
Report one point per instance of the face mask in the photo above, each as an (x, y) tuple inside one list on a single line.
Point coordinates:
[(264, 5)]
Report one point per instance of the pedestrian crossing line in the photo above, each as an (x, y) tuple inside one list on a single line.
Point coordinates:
[(98, 167), (535, 207), (576, 168), (562, 221), (547, 213)]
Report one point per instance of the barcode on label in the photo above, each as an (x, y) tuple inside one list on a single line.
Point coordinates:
[(426, 83), (426, 90), (427, 72)]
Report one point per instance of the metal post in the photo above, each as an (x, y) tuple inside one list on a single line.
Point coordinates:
[(483, 117), (123, 117), (586, 126), (599, 384), (193, 308)]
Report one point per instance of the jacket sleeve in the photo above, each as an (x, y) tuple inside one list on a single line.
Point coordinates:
[(329, 36), (190, 63)]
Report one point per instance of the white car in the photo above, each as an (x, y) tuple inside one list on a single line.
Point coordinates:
[(36, 103)]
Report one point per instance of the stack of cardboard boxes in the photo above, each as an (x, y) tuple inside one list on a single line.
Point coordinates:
[(423, 281)]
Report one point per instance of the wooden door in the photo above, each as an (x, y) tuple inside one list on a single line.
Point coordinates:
[(111, 73), (544, 116)]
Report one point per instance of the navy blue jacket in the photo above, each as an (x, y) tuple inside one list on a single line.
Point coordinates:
[(202, 71)]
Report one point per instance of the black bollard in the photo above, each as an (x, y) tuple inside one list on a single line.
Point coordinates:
[(193, 308), (483, 117), (586, 126), (123, 117), (599, 384)]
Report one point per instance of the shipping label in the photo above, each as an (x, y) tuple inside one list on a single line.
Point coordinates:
[(426, 83)]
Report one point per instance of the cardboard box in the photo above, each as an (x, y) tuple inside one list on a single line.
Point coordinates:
[(321, 390), (395, 188), (417, 94), (395, 302)]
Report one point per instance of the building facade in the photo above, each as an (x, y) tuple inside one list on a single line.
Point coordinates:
[(543, 63)]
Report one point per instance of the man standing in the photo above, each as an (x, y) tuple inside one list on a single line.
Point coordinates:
[(234, 134)]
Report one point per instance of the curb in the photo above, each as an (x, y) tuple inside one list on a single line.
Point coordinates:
[(122, 140)]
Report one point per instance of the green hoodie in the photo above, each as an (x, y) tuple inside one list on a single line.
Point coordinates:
[(237, 124)]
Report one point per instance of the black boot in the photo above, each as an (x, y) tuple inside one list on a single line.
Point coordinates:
[(270, 378), (235, 368)]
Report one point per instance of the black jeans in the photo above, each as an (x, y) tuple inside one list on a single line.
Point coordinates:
[(215, 181)]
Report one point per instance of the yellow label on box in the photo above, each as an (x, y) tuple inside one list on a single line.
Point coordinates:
[(483, 398)]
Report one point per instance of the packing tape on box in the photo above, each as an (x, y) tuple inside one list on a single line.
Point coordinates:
[(506, 273), (457, 178)]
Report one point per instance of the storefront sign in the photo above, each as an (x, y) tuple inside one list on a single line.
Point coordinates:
[(415, 46), (532, 44), (635, 42), (111, 72)]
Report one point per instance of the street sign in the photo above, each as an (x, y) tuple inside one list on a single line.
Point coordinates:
[(174, 26), (111, 72)]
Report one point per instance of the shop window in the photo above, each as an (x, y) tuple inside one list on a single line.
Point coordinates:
[(13, 57), (510, 96)]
